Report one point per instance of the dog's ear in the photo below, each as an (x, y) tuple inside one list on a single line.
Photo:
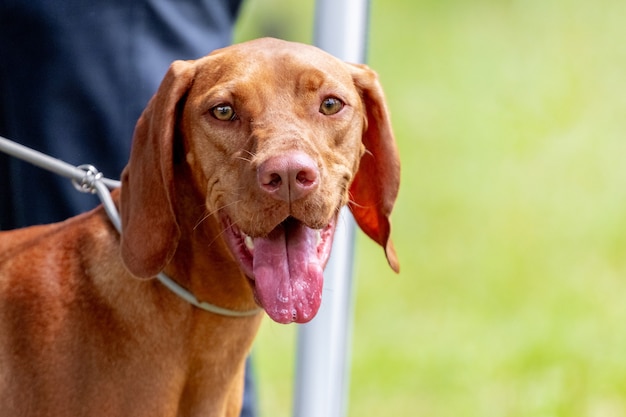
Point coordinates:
[(375, 186), (150, 232)]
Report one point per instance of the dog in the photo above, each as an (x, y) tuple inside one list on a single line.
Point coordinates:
[(239, 166)]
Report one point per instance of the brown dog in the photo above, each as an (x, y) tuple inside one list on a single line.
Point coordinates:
[(239, 166)]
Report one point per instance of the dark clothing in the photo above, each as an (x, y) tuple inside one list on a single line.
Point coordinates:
[(74, 78)]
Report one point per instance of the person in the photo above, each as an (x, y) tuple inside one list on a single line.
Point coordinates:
[(75, 76)]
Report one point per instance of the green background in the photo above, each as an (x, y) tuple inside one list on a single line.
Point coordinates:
[(511, 220)]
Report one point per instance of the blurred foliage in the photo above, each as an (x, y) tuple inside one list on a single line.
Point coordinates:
[(511, 222)]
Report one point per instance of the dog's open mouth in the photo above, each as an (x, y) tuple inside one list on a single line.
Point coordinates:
[(285, 267)]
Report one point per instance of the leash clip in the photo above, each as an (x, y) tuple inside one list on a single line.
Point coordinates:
[(87, 184)]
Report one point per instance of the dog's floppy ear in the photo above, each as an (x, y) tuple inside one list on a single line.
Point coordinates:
[(150, 232), (375, 187)]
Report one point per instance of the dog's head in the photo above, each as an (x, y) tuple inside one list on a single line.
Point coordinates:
[(279, 136)]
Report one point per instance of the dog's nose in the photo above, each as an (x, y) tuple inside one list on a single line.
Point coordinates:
[(289, 176)]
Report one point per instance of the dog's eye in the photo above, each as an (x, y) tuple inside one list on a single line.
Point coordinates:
[(330, 106), (224, 112)]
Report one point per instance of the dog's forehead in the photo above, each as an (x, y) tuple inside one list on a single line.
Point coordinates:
[(272, 58), (271, 49)]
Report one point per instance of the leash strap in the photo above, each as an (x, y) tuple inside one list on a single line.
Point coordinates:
[(87, 179)]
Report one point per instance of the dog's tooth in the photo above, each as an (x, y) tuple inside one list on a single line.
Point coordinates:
[(318, 235), (249, 242)]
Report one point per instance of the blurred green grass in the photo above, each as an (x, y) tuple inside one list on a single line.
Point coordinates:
[(511, 221)]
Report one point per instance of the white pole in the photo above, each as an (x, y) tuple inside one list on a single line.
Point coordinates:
[(322, 364)]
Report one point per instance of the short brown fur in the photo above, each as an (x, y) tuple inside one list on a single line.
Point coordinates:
[(84, 331)]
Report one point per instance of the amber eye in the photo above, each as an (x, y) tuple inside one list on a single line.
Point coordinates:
[(224, 112), (330, 106)]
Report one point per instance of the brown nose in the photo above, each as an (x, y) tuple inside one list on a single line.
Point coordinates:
[(288, 177)]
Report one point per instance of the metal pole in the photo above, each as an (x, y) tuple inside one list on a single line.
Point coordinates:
[(322, 364)]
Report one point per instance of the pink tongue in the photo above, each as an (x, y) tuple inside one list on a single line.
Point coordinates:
[(288, 273)]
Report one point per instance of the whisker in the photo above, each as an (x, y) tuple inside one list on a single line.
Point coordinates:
[(223, 231), (251, 155), (217, 236), (249, 160), (206, 216), (202, 219), (354, 203)]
